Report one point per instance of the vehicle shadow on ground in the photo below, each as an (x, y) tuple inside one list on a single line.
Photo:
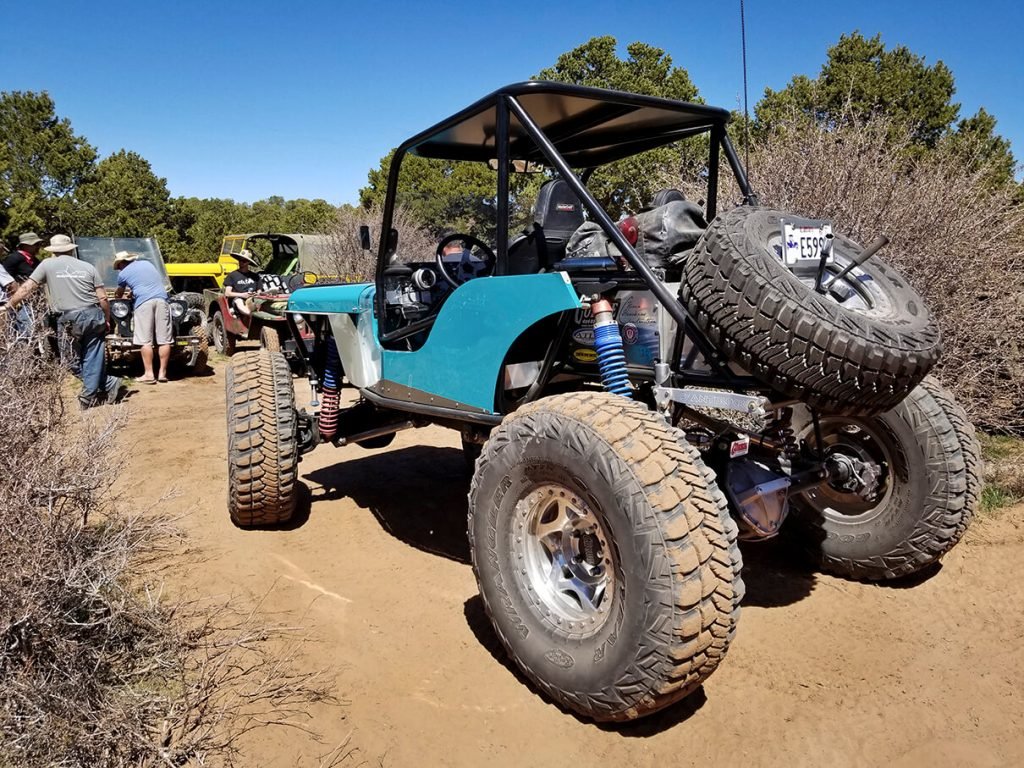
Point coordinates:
[(418, 495), (680, 712), (776, 572)]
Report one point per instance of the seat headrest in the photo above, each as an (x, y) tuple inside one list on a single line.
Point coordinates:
[(663, 196), (558, 209)]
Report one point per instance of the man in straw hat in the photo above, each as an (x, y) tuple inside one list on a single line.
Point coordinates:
[(75, 291), (152, 315), (241, 285), (19, 264)]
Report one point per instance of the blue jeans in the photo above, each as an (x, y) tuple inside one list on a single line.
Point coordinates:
[(82, 337), (23, 318)]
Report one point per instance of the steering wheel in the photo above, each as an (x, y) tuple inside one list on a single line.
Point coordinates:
[(468, 242)]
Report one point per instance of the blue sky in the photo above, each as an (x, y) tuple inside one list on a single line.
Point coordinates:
[(300, 99)]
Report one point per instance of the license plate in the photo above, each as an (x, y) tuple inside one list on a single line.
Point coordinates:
[(803, 240)]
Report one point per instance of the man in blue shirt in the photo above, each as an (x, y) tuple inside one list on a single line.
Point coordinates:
[(152, 316)]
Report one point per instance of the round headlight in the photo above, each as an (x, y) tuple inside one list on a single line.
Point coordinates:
[(178, 309), (120, 309)]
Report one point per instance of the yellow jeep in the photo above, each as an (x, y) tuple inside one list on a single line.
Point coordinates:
[(195, 277)]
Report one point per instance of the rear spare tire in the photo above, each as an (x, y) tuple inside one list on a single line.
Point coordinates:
[(193, 299), (860, 348), (604, 554), (928, 488), (263, 454)]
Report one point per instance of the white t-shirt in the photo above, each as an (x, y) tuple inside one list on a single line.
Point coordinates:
[(5, 280)]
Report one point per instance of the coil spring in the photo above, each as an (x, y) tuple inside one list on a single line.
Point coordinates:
[(332, 369), (328, 420), (781, 430), (612, 359)]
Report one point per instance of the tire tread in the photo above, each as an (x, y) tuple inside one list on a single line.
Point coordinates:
[(263, 450), (684, 642)]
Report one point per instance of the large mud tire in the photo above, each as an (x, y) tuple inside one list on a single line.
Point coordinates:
[(806, 346), (203, 354), (270, 339), (935, 478), (675, 567), (263, 453)]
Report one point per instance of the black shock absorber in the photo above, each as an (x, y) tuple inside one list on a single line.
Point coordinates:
[(780, 429)]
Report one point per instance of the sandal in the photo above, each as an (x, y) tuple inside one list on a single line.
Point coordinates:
[(145, 381), (162, 379)]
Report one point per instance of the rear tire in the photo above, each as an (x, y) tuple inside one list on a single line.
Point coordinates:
[(223, 341), (933, 484), (860, 355), (604, 554), (263, 452)]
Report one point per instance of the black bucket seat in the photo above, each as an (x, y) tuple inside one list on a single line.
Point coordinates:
[(557, 213)]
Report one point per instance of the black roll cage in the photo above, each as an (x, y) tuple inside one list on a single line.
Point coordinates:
[(585, 138)]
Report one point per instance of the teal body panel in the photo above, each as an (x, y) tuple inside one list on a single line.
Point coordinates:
[(461, 358), (328, 299)]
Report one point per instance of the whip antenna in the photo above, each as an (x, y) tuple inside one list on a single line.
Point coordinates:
[(746, 112)]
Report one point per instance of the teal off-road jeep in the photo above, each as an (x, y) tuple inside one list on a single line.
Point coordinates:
[(634, 395)]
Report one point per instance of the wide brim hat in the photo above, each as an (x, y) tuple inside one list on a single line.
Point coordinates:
[(60, 244), (29, 238), (246, 255), (123, 257)]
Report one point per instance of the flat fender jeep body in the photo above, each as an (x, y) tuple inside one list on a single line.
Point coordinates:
[(459, 364)]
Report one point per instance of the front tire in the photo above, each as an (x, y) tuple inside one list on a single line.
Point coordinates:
[(604, 554), (930, 487), (203, 353), (263, 454), (270, 339)]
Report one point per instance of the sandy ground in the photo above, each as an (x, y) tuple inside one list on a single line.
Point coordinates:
[(822, 672)]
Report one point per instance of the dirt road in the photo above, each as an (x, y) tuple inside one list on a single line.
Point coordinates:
[(823, 672)]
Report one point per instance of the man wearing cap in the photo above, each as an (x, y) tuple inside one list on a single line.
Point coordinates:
[(75, 290), (152, 316), (240, 285), (20, 264)]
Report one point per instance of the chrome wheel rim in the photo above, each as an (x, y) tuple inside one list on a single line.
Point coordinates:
[(857, 291), (564, 559), (218, 334)]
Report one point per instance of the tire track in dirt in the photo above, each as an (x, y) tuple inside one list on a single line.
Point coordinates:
[(822, 671)]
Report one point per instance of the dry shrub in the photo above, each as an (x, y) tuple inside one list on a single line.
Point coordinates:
[(349, 262), (97, 666), (1004, 471), (958, 240)]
